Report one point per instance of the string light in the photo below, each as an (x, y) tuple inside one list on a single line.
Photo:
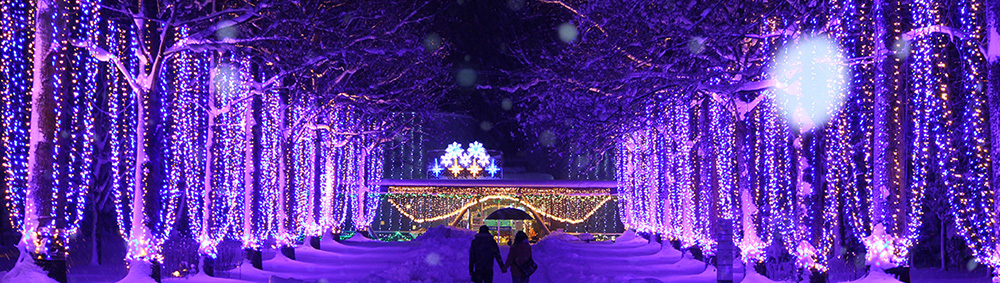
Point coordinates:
[(428, 208), (270, 153), (16, 37), (855, 34), (924, 104), (304, 182), (971, 197), (704, 163), (638, 180), (123, 123)]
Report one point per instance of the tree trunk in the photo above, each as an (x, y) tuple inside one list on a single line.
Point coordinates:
[(43, 126), (139, 233), (206, 211), (249, 187), (880, 126), (282, 174), (993, 96), (95, 249), (944, 250)]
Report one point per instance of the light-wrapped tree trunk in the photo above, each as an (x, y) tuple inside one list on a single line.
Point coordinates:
[(42, 130)]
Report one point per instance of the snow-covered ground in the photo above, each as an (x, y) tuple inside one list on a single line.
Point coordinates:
[(441, 255)]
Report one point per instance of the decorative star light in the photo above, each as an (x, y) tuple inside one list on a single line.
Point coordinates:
[(455, 168), (437, 168), (475, 169), (492, 168)]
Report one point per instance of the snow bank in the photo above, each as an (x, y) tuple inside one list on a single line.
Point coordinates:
[(753, 277), (26, 271), (877, 276), (561, 236), (443, 256), (444, 232), (630, 237), (139, 271), (357, 237)]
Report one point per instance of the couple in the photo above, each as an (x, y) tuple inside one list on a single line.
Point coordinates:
[(484, 250)]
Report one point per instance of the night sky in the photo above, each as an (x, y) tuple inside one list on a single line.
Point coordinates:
[(486, 37)]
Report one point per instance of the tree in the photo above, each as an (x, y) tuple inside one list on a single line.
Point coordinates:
[(369, 59)]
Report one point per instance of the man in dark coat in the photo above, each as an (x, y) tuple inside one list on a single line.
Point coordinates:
[(482, 254)]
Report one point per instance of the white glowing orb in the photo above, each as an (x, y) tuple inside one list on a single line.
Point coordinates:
[(466, 77), (810, 80), (568, 32)]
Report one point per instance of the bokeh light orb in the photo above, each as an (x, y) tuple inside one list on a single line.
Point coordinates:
[(466, 77), (227, 77), (810, 80), (901, 49), (506, 104), (226, 29), (432, 42), (515, 5), (568, 32), (696, 45), (547, 138)]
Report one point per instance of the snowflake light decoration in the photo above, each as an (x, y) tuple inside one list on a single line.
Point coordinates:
[(470, 163)]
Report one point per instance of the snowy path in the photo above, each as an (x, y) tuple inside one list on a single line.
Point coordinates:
[(617, 262), (441, 256)]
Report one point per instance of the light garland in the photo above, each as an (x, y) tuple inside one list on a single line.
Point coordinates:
[(775, 174), (970, 195), (270, 152), (373, 176), (925, 102), (123, 141), (638, 181), (190, 125), (723, 127), (16, 37), (856, 38), (405, 204), (895, 213), (685, 169), (879, 192), (704, 163), (305, 179), (227, 196), (329, 178), (497, 191)]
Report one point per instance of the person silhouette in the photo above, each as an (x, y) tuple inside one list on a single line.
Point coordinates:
[(519, 255), (482, 253)]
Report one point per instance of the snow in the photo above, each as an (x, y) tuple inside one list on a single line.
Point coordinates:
[(25, 271), (441, 255), (628, 237), (139, 271), (877, 276), (563, 236), (754, 277), (357, 237), (993, 55)]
